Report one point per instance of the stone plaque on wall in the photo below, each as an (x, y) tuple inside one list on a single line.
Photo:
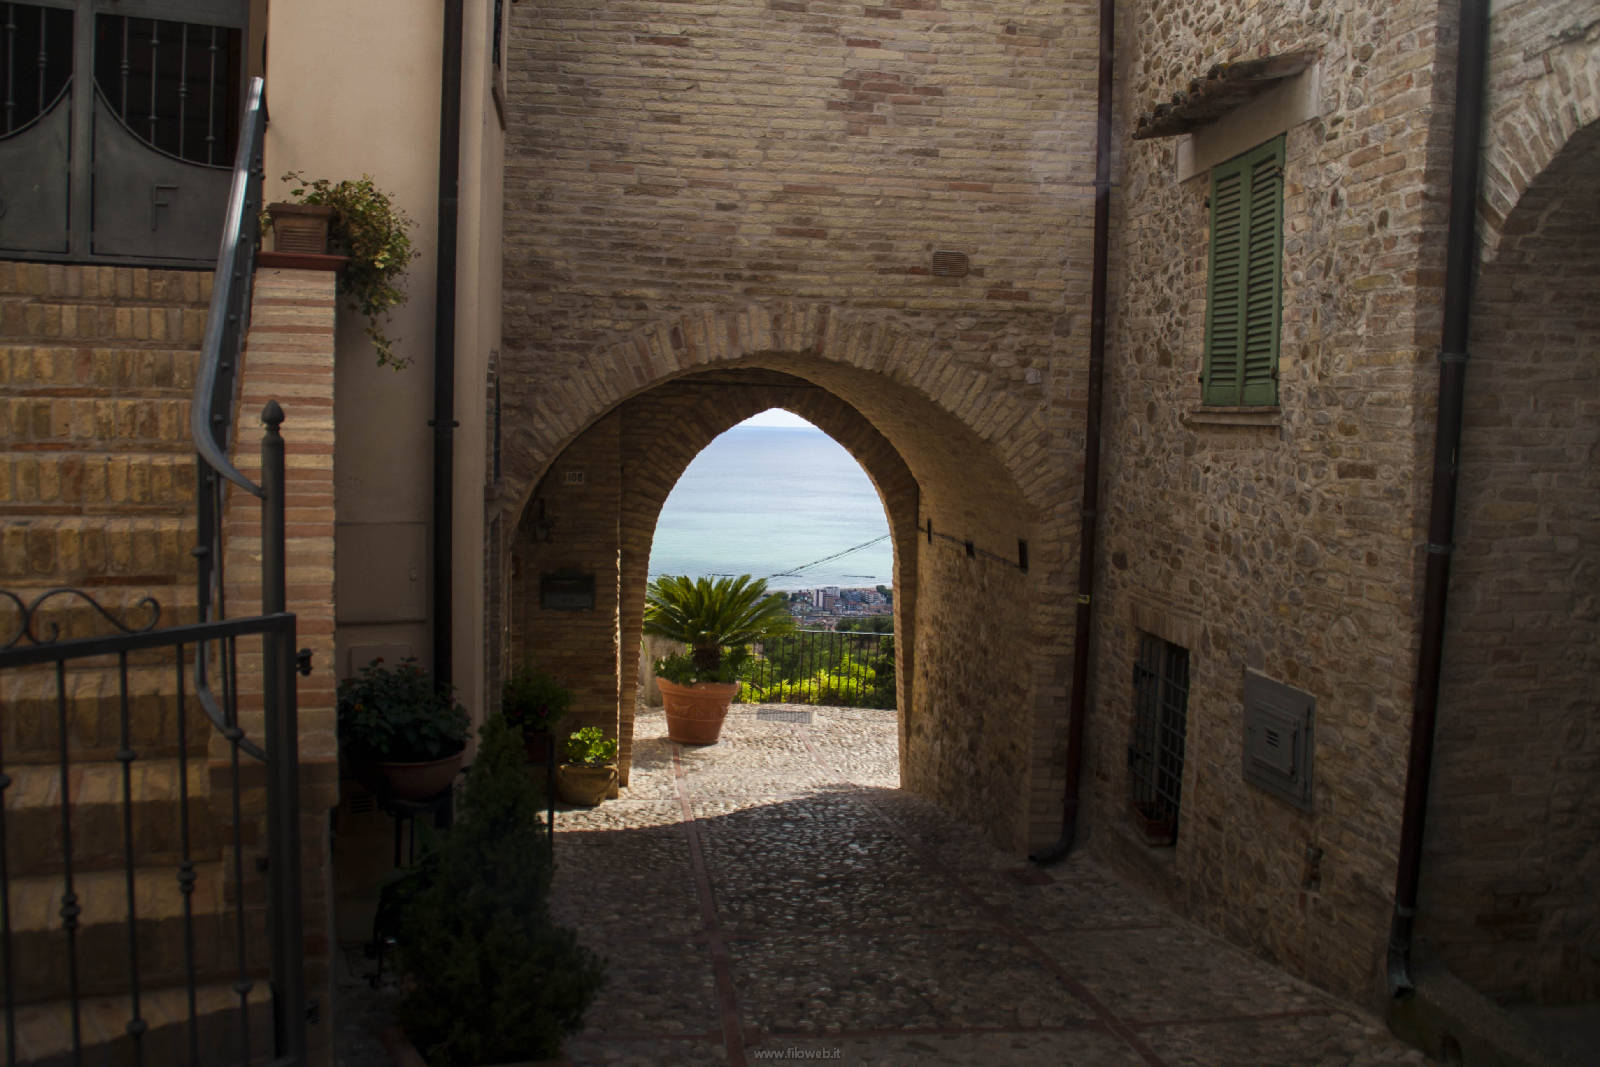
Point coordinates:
[(566, 591)]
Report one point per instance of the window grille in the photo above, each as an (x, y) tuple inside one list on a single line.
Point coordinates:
[(1155, 754)]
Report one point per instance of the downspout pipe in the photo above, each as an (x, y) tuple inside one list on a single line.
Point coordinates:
[(1089, 510), (1460, 260), (444, 344)]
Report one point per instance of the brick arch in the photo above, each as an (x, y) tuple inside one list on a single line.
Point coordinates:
[(665, 428), (1522, 644), (882, 367), (985, 648), (1537, 106)]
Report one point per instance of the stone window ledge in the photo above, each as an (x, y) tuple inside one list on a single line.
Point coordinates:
[(1233, 416)]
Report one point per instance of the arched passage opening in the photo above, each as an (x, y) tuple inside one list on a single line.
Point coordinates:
[(1511, 856), (969, 580)]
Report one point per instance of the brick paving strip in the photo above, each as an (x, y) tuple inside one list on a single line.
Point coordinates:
[(773, 898)]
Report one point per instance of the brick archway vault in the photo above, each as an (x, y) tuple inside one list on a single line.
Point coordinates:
[(980, 605)]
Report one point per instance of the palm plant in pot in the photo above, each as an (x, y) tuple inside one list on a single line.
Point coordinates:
[(533, 702), (717, 620), (589, 770), (399, 721)]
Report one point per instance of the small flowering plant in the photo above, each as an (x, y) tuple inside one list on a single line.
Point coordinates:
[(399, 715), (370, 229), (533, 701)]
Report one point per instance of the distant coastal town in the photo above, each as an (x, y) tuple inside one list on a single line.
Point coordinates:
[(823, 608)]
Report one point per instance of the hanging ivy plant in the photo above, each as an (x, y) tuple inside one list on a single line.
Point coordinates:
[(374, 233)]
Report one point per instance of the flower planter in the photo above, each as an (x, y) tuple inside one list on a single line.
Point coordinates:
[(300, 227), (695, 712), (421, 781), (585, 786)]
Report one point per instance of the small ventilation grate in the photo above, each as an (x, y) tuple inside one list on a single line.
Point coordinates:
[(784, 715), (949, 264)]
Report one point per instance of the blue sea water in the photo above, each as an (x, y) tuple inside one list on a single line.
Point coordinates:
[(766, 500)]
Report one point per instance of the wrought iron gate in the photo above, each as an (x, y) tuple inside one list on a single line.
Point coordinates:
[(117, 127), (64, 969)]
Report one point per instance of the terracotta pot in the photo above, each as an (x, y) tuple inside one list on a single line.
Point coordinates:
[(421, 781), (300, 227), (586, 786), (695, 712)]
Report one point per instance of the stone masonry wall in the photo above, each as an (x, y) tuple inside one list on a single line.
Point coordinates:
[(1281, 541), (764, 184), (1512, 855)]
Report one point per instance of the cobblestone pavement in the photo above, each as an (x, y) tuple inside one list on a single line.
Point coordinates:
[(776, 898)]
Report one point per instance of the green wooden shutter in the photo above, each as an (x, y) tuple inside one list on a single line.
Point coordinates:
[(1244, 295)]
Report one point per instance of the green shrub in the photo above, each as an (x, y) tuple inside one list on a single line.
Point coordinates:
[(490, 978), (714, 618), (399, 715), (532, 700), (374, 233), (590, 747)]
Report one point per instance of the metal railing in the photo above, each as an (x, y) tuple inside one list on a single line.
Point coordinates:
[(823, 667), (211, 412)]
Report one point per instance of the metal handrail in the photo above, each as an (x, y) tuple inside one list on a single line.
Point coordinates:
[(211, 412)]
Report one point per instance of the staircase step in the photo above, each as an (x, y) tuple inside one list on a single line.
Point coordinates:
[(98, 481), (150, 423), (45, 551), (30, 726), (155, 285), (44, 319), (72, 370), (44, 1031), (33, 816), (40, 946)]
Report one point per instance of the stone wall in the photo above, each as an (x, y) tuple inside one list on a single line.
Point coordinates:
[(1282, 541), (764, 185)]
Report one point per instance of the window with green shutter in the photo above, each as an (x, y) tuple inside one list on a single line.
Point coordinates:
[(1245, 293)]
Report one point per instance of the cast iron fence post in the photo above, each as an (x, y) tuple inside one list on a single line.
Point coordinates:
[(283, 801)]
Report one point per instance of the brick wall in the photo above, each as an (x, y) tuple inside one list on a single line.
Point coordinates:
[(1513, 844), (289, 358), (763, 185)]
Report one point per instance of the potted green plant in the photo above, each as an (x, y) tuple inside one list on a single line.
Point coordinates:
[(367, 227), (489, 977), (533, 702), (589, 770), (717, 620), (400, 720)]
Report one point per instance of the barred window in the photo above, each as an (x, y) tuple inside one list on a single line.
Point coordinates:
[(1155, 753)]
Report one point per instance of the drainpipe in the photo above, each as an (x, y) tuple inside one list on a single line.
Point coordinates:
[(1090, 509), (1460, 256), (444, 344)]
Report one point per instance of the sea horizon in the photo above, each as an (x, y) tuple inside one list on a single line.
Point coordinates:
[(785, 503)]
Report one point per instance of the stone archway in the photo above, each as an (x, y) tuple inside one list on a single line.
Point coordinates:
[(979, 599), (1512, 860)]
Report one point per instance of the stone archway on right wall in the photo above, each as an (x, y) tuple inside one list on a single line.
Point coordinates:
[(1513, 843)]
